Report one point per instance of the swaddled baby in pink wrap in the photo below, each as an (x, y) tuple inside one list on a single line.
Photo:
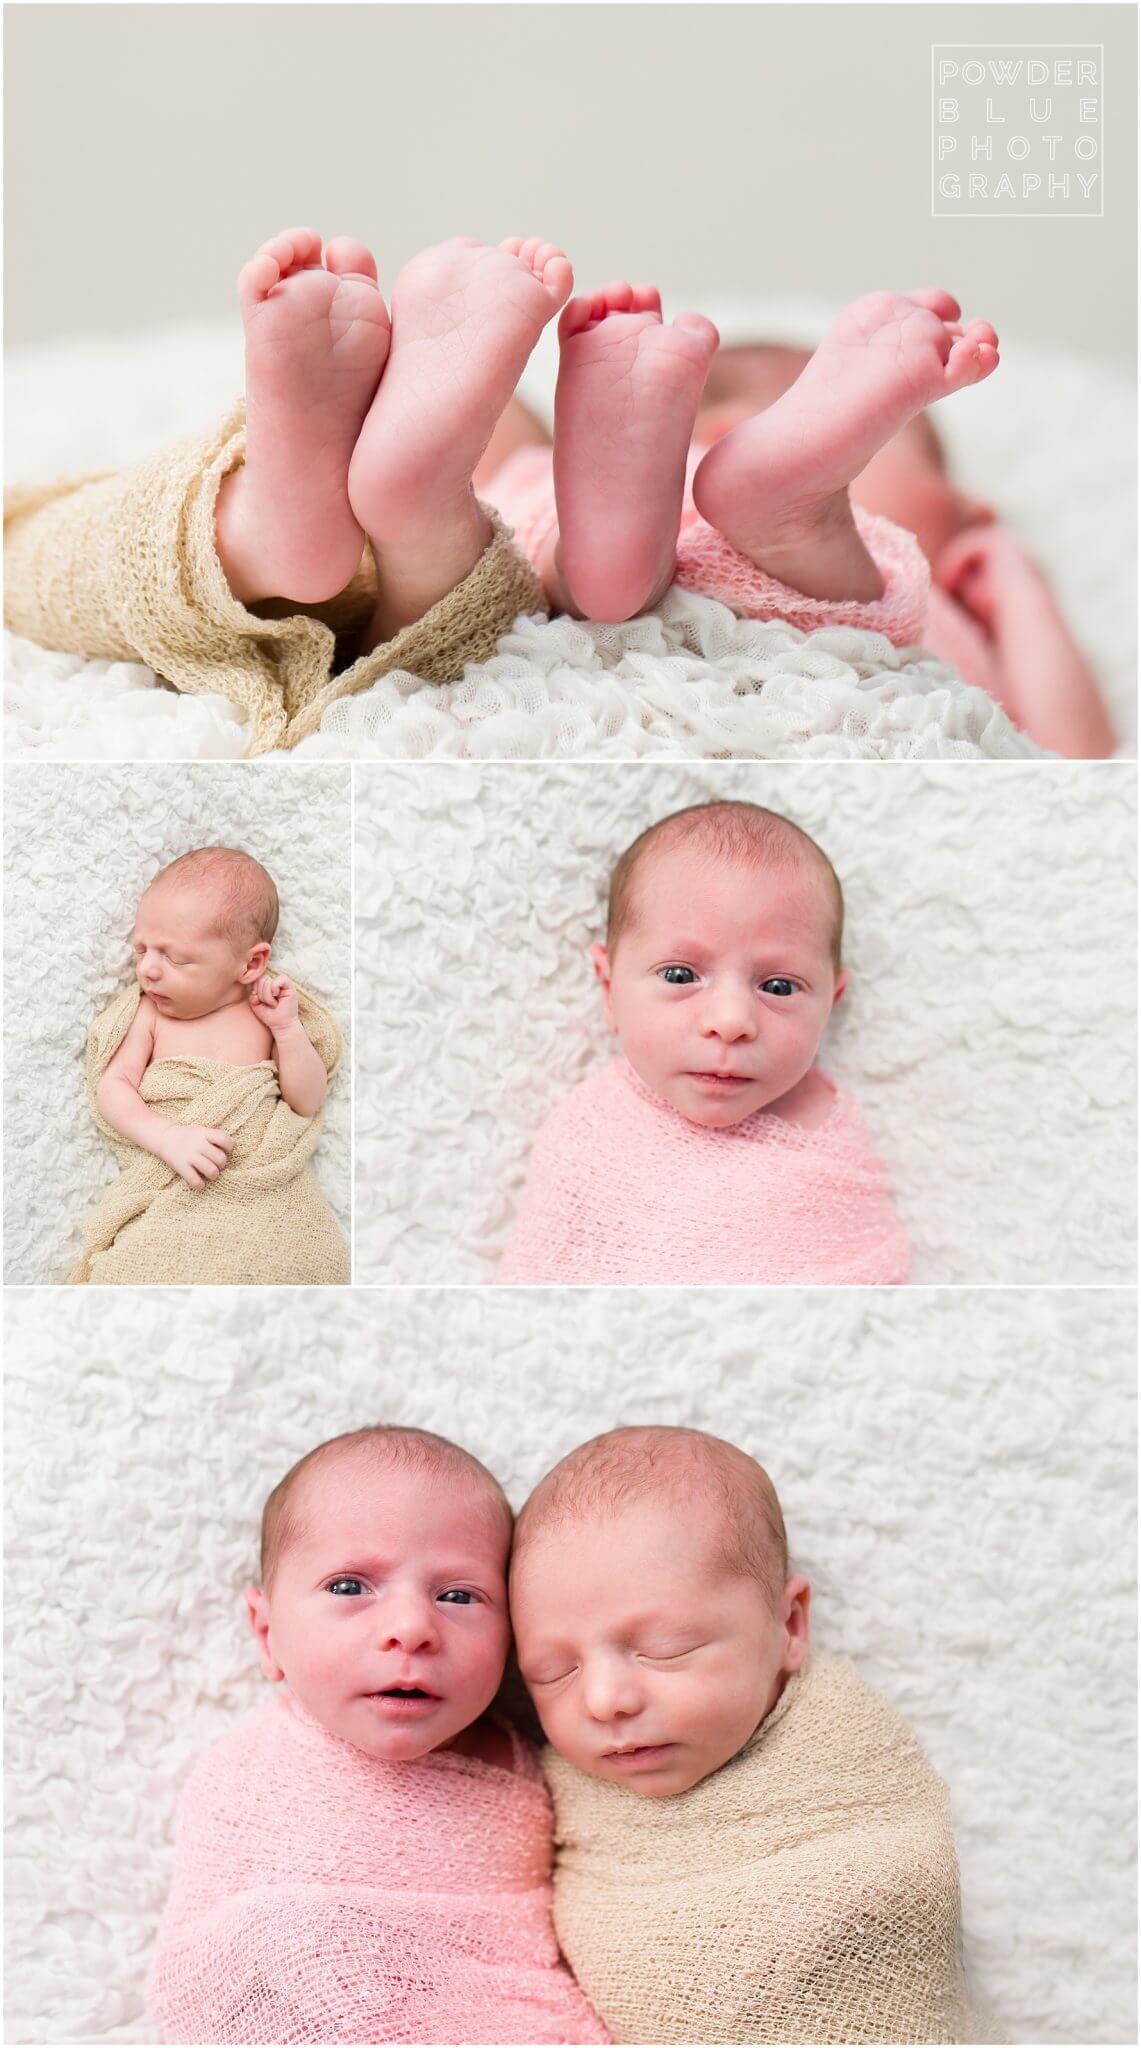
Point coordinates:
[(713, 1152), (368, 1857)]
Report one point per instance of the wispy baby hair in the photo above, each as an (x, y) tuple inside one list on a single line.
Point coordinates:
[(249, 898), (685, 1467), (730, 830), (393, 1448)]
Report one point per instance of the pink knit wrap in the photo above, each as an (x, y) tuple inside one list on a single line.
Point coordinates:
[(523, 493), (623, 1190), (322, 1895)]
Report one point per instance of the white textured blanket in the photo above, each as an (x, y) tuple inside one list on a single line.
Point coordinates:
[(988, 1034), (688, 680), (79, 850), (957, 1470)]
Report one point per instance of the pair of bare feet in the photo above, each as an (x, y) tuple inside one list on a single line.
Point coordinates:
[(365, 427)]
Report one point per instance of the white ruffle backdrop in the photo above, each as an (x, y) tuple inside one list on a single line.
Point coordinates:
[(683, 681), (958, 1475)]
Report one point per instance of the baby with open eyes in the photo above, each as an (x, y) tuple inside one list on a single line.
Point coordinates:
[(750, 1843), (713, 1150), (207, 1078), (367, 1858)]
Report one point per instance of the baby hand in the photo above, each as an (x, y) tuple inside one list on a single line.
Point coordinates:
[(273, 1001), (197, 1153), (978, 567)]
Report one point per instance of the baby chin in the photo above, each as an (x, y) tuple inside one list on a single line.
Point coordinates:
[(717, 1101)]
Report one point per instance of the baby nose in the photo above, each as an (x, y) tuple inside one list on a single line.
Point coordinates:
[(411, 1626), (611, 1692), (729, 1016), (977, 512)]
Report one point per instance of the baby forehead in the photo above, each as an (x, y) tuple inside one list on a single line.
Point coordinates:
[(762, 370), (174, 896), (787, 879), (680, 1538), (358, 1487)]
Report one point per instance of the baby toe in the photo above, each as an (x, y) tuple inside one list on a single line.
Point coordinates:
[(938, 302), (296, 249), (346, 257)]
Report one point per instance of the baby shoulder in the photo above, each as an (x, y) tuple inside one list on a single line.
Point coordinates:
[(577, 1114), (234, 1769), (850, 1709)]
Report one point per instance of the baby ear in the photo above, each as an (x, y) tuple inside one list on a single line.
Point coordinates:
[(796, 1601), (842, 980), (257, 960), (600, 961), (257, 1608)]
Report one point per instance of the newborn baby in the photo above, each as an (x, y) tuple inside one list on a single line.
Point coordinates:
[(750, 1844), (209, 1075), (368, 1857), (713, 1151)]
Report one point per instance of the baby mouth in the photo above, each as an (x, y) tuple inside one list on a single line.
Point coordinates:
[(634, 1753), (718, 1080)]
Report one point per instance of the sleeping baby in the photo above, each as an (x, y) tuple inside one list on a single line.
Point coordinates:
[(713, 1151), (367, 1858), (789, 483), (207, 1079), (750, 1843)]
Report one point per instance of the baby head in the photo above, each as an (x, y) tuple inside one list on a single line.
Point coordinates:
[(203, 931), (383, 1589), (722, 958), (655, 1619), (907, 481)]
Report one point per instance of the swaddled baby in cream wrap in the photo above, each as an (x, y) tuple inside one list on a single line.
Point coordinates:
[(750, 1844), (714, 1151), (207, 1080), (368, 1857)]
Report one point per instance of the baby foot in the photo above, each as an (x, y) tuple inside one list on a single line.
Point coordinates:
[(317, 336), (627, 397), (465, 318), (781, 478)]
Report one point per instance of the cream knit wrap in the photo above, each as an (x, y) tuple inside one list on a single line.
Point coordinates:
[(321, 1894), (124, 566), (263, 1222), (806, 1891)]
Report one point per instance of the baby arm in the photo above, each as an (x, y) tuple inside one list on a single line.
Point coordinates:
[(301, 1074), (1049, 686), (193, 1151)]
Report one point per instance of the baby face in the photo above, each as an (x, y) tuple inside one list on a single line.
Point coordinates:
[(721, 984), (907, 483), (387, 1613), (650, 1662), (184, 961)]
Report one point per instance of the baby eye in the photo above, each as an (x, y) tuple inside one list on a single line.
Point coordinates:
[(459, 1595), (347, 1586), (778, 985), (678, 977)]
